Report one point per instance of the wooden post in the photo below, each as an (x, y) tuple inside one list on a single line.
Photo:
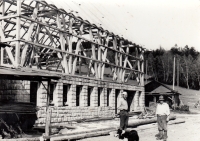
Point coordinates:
[(146, 70), (17, 47), (116, 57), (99, 55), (93, 53), (142, 68), (71, 20), (2, 29), (177, 72), (48, 113), (174, 73)]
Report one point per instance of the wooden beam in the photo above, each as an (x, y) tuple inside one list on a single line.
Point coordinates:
[(116, 57), (71, 20), (63, 42), (17, 48), (93, 53), (99, 55), (2, 36), (78, 36), (30, 30), (48, 111), (76, 52), (59, 51), (125, 63), (104, 55)]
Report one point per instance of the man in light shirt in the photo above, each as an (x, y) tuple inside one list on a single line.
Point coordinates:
[(123, 107), (162, 112)]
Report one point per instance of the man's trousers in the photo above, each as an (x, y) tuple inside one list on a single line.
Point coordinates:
[(123, 119)]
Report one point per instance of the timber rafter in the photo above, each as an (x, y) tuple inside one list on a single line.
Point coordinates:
[(42, 36)]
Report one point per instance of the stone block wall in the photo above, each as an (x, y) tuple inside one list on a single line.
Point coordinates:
[(62, 115), (20, 91), (15, 90)]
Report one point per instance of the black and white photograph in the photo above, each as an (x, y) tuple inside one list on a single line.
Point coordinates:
[(99, 70)]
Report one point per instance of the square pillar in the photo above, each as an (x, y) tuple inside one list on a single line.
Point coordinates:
[(141, 100), (136, 101), (42, 94), (71, 97), (112, 98), (84, 96), (103, 97), (58, 94), (94, 97)]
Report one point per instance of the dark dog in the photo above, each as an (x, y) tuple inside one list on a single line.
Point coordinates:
[(130, 135)]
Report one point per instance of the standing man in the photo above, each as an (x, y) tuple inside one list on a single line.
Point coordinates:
[(162, 112), (123, 107)]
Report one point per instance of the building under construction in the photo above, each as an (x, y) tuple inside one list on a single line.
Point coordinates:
[(56, 60)]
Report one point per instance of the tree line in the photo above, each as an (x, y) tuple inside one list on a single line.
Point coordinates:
[(159, 64)]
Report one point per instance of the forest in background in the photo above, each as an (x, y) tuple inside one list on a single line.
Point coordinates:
[(160, 62)]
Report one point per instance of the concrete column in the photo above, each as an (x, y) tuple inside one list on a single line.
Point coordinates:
[(42, 94), (94, 97), (71, 97), (58, 94)]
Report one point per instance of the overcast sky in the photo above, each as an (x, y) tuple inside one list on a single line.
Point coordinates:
[(150, 23), (163, 22)]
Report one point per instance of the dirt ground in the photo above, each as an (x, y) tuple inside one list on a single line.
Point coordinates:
[(188, 131)]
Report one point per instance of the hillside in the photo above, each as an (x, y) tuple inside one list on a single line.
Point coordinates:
[(189, 96)]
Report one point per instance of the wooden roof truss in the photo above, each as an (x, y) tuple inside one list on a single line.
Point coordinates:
[(40, 34)]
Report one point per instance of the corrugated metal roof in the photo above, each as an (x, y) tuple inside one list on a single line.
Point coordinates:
[(114, 18)]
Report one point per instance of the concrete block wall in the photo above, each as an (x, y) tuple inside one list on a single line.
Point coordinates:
[(15, 90)]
